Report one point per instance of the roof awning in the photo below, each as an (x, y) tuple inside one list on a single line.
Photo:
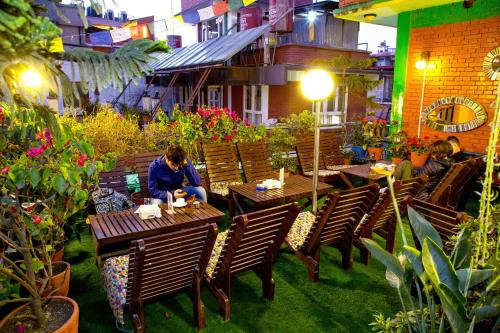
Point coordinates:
[(385, 12), (210, 52)]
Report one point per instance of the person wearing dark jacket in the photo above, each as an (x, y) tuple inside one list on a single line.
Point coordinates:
[(457, 155), (435, 167), (167, 172)]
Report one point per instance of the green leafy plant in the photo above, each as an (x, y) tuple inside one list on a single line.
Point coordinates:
[(398, 143), (300, 124), (373, 130), (281, 143), (44, 181), (419, 145)]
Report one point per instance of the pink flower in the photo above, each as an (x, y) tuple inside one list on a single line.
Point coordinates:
[(5, 170), (246, 122), (48, 136), (33, 152), (228, 137)]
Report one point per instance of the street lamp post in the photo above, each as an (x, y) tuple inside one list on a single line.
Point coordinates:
[(316, 86)]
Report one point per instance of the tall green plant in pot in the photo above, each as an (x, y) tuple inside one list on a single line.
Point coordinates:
[(281, 143), (44, 181)]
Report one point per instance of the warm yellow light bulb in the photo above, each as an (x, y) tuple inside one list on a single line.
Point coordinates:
[(421, 64), (317, 84), (31, 79)]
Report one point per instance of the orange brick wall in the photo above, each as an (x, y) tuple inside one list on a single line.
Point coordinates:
[(458, 51)]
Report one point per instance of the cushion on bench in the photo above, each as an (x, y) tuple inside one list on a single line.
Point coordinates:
[(214, 257), (322, 173), (338, 167), (300, 229), (114, 273)]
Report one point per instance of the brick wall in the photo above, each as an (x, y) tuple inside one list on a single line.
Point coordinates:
[(344, 3), (458, 51)]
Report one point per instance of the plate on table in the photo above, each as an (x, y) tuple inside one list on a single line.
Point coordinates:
[(179, 204)]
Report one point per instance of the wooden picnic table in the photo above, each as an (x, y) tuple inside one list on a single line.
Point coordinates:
[(112, 232), (363, 171), (296, 187)]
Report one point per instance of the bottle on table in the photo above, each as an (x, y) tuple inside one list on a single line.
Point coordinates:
[(373, 160)]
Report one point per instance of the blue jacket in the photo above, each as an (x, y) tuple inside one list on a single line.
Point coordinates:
[(162, 179)]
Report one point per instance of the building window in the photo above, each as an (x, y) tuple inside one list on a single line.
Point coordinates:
[(255, 104), (214, 94), (331, 108)]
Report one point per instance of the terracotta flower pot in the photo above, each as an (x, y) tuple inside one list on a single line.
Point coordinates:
[(397, 160), (70, 326), (60, 281), (418, 160), (376, 151), (58, 255), (347, 161)]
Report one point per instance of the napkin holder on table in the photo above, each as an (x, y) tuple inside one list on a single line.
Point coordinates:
[(148, 211)]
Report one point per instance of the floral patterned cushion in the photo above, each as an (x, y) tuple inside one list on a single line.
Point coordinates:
[(214, 257), (300, 229), (322, 173), (338, 167), (221, 188), (114, 273)]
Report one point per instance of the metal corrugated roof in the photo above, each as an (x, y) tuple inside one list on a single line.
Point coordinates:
[(213, 51)]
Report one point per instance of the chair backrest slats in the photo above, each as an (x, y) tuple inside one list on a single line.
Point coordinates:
[(137, 163), (329, 148), (444, 220), (255, 161), (221, 162), (441, 193), (305, 154), (470, 171), (166, 263), (255, 238), (341, 212)]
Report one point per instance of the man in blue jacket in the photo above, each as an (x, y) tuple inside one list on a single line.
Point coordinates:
[(166, 174)]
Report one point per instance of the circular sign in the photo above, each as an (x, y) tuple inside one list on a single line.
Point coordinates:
[(491, 64)]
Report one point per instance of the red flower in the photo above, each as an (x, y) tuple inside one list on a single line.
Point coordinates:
[(382, 121), (228, 137), (67, 143), (48, 136), (5, 170), (39, 135), (426, 137), (364, 120), (33, 152), (374, 122), (13, 209), (246, 122), (36, 219), (81, 160), (215, 137), (211, 124)]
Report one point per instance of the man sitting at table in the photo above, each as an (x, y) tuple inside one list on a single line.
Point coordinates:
[(166, 174)]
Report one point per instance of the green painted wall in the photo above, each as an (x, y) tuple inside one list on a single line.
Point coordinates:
[(427, 17), (401, 60), (454, 13)]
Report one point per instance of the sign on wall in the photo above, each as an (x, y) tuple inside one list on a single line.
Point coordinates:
[(491, 64)]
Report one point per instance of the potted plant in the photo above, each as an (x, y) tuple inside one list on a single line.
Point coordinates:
[(44, 182), (281, 143), (419, 150), (398, 145), (347, 154), (374, 133)]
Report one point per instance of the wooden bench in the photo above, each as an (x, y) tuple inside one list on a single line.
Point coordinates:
[(444, 220), (334, 225), (222, 169), (381, 218), (255, 161), (251, 243), (158, 266), (137, 163), (305, 156)]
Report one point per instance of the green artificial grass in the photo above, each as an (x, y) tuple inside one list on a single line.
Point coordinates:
[(341, 301)]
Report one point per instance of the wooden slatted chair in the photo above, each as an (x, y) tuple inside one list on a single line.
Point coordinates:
[(251, 243), (330, 150), (255, 161), (137, 163), (466, 179), (381, 218), (441, 194), (305, 156), (444, 220), (158, 266), (222, 168), (334, 225)]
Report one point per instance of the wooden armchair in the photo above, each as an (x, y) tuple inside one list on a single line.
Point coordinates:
[(381, 218), (471, 171), (305, 156), (334, 225), (255, 162), (252, 242), (444, 220), (329, 149), (137, 163), (441, 194), (158, 266), (222, 169)]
